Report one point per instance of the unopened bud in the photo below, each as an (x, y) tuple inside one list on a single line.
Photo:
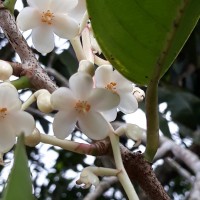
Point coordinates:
[(87, 178), (131, 131), (139, 94), (44, 103), (87, 67), (5, 70), (33, 139)]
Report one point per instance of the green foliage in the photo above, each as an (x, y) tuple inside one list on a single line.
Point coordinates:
[(137, 36), (10, 4), (19, 183)]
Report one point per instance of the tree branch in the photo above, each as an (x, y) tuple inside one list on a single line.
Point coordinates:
[(104, 185), (190, 159)]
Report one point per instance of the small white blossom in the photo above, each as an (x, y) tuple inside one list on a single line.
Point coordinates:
[(105, 77), (83, 103), (46, 17), (13, 121)]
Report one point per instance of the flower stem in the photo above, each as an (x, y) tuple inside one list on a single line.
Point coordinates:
[(29, 101), (22, 83), (32, 98), (102, 171), (152, 120), (83, 22), (76, 44), (122, 175), (76, 147), (99, 61), (87, 45)]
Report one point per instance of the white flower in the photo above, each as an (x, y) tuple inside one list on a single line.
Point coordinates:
[(13, 121), (105, 77), (46, 17), (82, 103), (79, 11)]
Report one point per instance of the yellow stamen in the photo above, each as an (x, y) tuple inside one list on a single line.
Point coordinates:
[(82, 106), (111, 86), (3, 112), (47, 17)]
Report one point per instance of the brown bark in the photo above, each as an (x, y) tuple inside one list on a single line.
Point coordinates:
[(140, 171)]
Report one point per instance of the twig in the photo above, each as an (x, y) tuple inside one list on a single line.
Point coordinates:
[(58, 76), (180, 170)]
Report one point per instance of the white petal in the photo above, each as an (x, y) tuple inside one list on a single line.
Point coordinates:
[(65, 26), (40, 4), (110, 115), (94, 125), (28, 18), (43, 39), (81, 85), (123, 84), (102, 99), (22, 122), (62, 99), (64, 124), (128, 103), (79, 11), (9, 97), (7, 137), (103, 75), (60, 6)]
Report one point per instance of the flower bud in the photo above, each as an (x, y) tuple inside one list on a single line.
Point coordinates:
[(5, 70), (87, 67), (139, 94), (33, 139), (88, 178), (44, 103), (131, 131)]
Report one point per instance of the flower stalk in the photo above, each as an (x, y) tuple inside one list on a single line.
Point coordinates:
[(122, 175)]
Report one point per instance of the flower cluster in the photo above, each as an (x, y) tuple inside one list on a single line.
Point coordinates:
[(83, 103), (92, 102), (89, 102), (46, 17)]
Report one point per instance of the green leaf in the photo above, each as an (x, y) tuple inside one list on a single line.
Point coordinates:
[(139, 37), (9, 4), (19, 183)]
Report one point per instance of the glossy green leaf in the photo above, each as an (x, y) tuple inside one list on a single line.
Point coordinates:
[(139, 37), (19, 184)]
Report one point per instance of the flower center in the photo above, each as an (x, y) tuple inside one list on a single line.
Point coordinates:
[(47, 17), (82, 106), (3, 112), (111, 86)]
